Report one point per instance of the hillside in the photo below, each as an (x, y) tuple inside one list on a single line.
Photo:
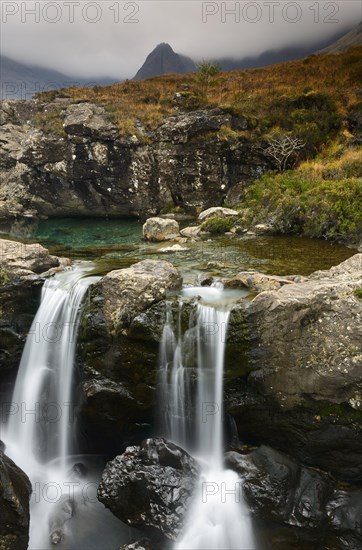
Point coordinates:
[(352, 38), (142, 147), (21, 81), (267, 96)]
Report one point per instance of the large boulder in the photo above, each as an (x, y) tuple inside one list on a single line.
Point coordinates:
[(150, 487), (303, 393), (128, 292), (306, 501), (20, 258), (160, 229), (118, 354), (22, 271), (15, 490), (218, 212)]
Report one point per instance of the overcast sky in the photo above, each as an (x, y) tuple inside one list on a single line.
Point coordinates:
[(112, 38)]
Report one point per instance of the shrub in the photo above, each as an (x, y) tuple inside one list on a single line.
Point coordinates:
[(358, 292), (217, 226)]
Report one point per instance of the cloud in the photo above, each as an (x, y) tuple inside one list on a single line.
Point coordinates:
[(112, 38)]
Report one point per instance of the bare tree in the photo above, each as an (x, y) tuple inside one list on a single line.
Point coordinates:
[(282, 149)]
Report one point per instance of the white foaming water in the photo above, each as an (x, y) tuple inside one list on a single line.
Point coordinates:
[(39, 434), (219, 518)]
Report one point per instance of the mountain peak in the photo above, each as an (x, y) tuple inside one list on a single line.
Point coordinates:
[(163, 60)]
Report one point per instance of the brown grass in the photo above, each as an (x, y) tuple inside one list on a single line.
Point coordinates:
[(251, 92)]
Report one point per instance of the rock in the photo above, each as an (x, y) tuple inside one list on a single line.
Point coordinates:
[(15, 490), (303, 394), (278, 489), (22, 271), (182, 127), (89, 120), (191, 232), (218, 212), (159, 229), (281, 491), (263, 229), (21, 258), (174, 248), (128, 292), (256, 281), (62, 158), (62, 513), (142, 544), (150, 487), (118, 347)]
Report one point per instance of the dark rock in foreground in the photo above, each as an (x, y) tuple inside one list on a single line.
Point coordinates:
[(150, 487), (15, 490), (304, 501)]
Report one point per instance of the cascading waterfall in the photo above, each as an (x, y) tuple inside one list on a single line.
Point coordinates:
[(39, 434), (219, 519)]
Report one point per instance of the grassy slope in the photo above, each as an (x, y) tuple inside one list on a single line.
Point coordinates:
[(310, 98)]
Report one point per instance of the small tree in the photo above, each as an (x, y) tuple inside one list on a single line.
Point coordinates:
[(282, 148), (206, 75)]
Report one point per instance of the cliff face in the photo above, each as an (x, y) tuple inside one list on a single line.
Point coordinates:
[(69, 159)]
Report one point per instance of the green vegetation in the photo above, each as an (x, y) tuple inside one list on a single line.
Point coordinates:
[(49, 122), (4, 277), (294, 204), (217, 225), (358, 292)]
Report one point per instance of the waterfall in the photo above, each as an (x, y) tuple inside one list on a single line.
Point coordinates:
[(39, 432), (193, 418)]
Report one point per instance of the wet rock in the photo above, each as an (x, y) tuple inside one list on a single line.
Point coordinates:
[(15, 490), (218, 212), (118, 351), (160, 229), (142, 544), (303, 394), (281, 491), (63, 512), (150, 487)]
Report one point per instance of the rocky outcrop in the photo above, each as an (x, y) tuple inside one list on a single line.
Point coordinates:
[(117, 356), (22, 271), (25, 259), (150, 487), (159, 229), (303, 390), (69, 159), (305, 501), (15, 490)]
